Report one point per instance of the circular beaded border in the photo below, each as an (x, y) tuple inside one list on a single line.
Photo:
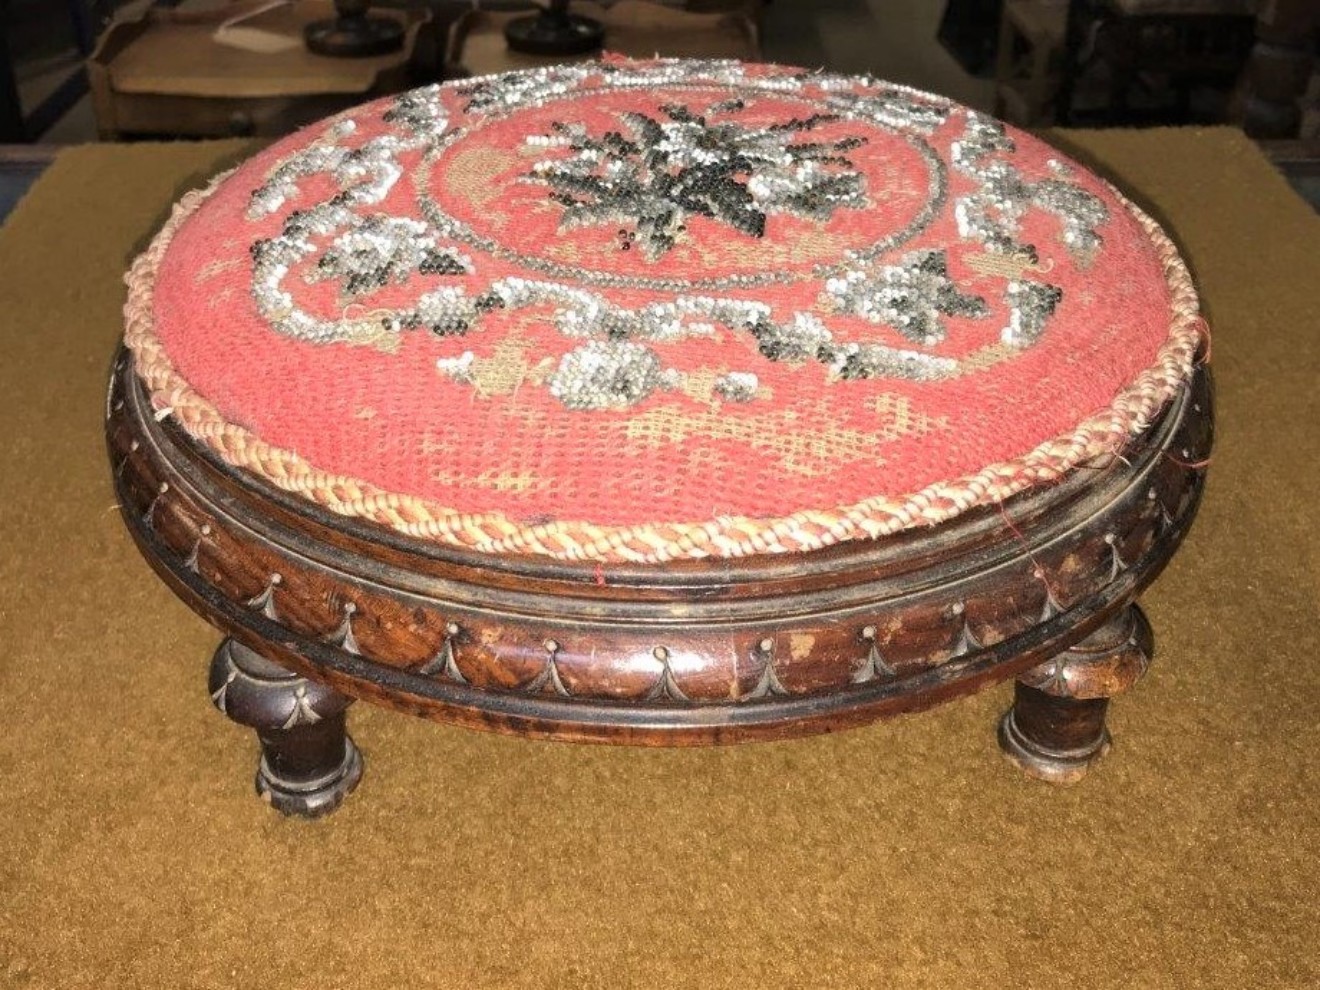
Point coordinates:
[(937, 193), (1104, 433)]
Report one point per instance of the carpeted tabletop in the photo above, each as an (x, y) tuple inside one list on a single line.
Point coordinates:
[(134, 854)]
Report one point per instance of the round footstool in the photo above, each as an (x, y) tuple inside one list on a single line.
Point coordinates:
[(660, 402)]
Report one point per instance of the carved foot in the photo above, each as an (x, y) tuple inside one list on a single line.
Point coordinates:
[(308, 763), (1056, 727)]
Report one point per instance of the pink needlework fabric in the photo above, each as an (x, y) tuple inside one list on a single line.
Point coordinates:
[(640, 310)]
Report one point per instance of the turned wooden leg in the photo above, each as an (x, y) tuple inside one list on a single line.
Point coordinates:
[(1056, 727), (308, 763)]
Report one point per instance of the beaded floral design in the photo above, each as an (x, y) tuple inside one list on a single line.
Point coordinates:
[(708, 160), (656, 171)]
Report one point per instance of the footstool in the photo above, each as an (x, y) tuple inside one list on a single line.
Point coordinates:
[(660, 402)]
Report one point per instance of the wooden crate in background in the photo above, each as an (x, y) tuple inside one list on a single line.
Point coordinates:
[(163, 73)]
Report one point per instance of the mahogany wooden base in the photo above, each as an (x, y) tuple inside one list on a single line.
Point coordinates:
[(320, 609), (308, 762), (1056, 727)]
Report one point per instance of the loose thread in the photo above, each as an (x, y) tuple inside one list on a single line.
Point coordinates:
[(1190, 465), (1142, 445), (1204, 329), (1038, 572), (1113, 458)]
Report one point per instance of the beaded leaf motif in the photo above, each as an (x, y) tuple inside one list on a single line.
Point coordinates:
[(910, 296), (656, 172)]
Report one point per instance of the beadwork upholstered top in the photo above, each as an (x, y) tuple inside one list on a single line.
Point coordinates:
[(637, 311)]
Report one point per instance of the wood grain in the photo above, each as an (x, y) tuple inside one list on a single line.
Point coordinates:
[(685, 653)]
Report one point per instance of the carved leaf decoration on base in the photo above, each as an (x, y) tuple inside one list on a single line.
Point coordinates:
[(443, 664)]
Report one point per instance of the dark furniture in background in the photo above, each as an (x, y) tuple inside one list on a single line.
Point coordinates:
[(25, 27), (1249, 61), (1281, 65), (968, 31), (353, 32), (1069, 62), (163, 73), (477, 44), (1131, 62), (1029, 60), (1103, 63)]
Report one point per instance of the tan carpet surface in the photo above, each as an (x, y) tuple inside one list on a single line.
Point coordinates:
[(133, 852)]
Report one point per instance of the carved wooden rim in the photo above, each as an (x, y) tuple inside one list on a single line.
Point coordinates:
[(1131, 412), (575, 661)]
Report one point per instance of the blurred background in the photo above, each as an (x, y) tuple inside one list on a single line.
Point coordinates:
[(74, 71)]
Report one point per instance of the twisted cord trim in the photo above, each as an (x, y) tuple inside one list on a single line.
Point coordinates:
[(1130, 413)]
